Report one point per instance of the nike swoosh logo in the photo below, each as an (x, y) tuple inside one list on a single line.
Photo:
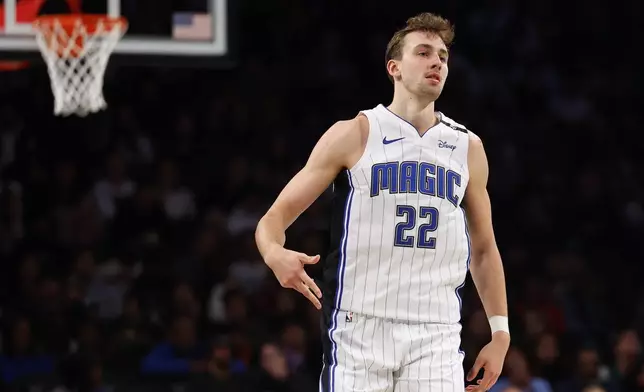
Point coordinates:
[(385, 141)]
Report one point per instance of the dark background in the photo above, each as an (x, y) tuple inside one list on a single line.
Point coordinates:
[(126, 238), (149, 17), (145, 17)]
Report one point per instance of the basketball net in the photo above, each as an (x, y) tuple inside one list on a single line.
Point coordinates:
[(76, 49)]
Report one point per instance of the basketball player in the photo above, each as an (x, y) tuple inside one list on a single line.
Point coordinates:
[(411, 211)]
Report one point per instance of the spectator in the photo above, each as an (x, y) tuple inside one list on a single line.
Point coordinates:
[(131, 339), (224, 372), (115, 187), (589, 371), (628, 357), (547, 356), (275, 375), (22, 358), (181, 354), (518, 375)]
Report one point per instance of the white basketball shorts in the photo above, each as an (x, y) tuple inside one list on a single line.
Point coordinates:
[(371, 354)]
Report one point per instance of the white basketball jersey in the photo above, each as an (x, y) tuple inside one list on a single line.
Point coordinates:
[(402, 246)]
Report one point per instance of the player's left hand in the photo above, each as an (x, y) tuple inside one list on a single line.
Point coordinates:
[(490, 359)]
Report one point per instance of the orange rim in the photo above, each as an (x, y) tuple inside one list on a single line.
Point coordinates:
[(72, 43), (69, 22)]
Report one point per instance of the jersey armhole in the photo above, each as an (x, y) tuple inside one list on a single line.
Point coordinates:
[(370, 120)]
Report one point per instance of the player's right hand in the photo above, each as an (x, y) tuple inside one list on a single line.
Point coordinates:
[(288, 267)]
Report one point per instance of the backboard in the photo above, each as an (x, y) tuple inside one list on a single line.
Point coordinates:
[(178, 32)]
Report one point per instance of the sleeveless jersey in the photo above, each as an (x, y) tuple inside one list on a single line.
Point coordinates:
[(400, 246)]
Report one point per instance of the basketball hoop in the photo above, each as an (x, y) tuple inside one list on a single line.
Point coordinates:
[(76, 49)]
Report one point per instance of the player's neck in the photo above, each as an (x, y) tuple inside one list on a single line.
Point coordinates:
[(417, 112)]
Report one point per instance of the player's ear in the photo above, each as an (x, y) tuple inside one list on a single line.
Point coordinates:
[(393, 69)]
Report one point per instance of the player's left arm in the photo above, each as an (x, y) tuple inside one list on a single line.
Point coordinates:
[(485, 266)]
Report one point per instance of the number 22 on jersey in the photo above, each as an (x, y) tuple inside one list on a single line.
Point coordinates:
[(409, 234)]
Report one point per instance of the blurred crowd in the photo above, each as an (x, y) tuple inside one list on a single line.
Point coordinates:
[(126, 238)]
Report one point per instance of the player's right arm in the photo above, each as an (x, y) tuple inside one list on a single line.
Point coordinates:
[(340, 147)]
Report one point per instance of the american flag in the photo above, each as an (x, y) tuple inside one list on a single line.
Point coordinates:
[(187, 25)]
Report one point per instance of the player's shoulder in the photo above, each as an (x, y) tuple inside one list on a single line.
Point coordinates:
[(358, 123), (453, 124), (346, 138), (349, 129), (473, 138)]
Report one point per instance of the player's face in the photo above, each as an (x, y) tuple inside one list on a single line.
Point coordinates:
[(423, 66)]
